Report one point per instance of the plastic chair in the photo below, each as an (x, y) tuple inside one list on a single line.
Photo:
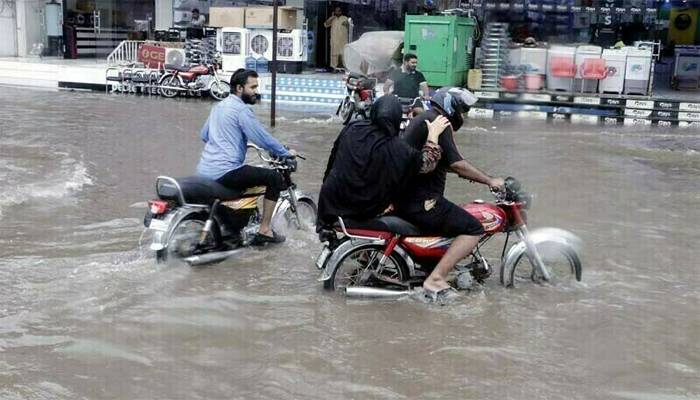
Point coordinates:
[(563, 67), (593, 69)]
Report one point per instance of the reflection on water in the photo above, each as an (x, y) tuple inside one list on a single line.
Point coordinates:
[(85, 314)]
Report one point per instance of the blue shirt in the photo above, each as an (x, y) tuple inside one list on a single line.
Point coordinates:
[(231, 124)]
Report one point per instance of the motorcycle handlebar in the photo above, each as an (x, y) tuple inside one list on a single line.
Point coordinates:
[(268, 159)]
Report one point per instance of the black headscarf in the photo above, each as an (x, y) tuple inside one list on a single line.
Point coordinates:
[(368, 165)]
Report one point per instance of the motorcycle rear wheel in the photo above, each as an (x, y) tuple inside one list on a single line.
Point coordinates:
[(184, 241), (219, 90), (358, 268), (563, 265), (346, 110), (171, 81)]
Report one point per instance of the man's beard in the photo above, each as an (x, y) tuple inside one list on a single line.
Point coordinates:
[(249, 98)]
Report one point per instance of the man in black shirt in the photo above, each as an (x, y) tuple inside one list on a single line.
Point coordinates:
[(408, 81), (424, 203)]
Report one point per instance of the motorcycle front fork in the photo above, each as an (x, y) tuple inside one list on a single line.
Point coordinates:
[(532, 254)]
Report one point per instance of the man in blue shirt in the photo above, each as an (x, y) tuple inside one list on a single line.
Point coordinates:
[(231, 124)]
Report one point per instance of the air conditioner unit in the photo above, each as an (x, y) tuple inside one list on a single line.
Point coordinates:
[(291, 51), (175, 57), (234, 49), (260, 43)]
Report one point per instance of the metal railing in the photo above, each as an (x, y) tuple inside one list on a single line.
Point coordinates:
[(126, 53)]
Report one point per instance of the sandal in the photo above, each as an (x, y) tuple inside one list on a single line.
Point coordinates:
[(261, 240), (442, 296)]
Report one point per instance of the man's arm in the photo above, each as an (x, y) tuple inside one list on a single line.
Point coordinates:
[(467, 171), (257, 134), (329, 22)]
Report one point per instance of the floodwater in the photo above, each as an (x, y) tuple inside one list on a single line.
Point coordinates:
[(86, 314)]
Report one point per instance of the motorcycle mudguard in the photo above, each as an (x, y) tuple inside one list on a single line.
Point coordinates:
[(568, 242), (344, 248), (173, 219), (283, 204), (338, 254)]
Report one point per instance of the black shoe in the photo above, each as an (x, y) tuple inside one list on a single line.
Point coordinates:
[(261, 240)]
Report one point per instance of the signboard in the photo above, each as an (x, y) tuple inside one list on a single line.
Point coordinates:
[(536, 97), (540, 115), (691, 107), (480, 113), (645, 104), (486, 95), (637, 121), (587, 100), (611, 121), (151, 56), (584, 119), (688, 116), (631, 112)]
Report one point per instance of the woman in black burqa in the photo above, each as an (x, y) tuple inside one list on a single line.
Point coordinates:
[(369, 164)]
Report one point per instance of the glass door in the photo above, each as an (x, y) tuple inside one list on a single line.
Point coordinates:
[(94, 28)]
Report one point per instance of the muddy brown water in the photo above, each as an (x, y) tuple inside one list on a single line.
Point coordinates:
[(86, 314)]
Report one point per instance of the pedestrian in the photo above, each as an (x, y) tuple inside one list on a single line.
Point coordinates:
[(339, 25)]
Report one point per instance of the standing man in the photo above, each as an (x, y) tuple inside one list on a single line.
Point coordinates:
[(198, 19), (408, 82), (230, 126), (339, 25)]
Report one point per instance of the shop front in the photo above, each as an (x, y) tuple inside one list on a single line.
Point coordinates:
[(93, 28)]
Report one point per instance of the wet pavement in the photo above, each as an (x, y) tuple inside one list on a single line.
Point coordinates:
[(85, 313)]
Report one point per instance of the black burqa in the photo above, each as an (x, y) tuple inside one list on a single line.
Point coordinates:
[(368, 166)]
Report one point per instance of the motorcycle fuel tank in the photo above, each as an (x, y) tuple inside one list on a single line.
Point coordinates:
[(491, 216)]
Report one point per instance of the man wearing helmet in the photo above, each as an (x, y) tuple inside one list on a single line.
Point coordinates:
[(424, 203)]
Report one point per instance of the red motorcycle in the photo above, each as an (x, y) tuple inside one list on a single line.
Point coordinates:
[(389, 253), (359, 99), (193, 80)]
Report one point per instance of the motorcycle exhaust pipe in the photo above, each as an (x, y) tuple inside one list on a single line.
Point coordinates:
[(374, 293), (210, 258)]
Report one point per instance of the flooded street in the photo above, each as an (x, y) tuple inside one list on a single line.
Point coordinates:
[(86, 314)]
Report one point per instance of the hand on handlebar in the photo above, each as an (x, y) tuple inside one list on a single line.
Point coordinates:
[(497, 184), (294, 154)]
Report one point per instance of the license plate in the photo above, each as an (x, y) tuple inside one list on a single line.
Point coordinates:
[(158, 225), (321, 259)]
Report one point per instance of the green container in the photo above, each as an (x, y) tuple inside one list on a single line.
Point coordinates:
[(444, 45)]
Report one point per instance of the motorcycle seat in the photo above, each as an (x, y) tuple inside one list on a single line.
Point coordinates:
[(177, 68), (199, 190), (386, 223), (354, 75)]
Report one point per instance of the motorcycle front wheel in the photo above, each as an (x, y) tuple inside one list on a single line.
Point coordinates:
[(184, 242), (303, 220), (219, 90), (359, 267), (562, 263), (168, 80)]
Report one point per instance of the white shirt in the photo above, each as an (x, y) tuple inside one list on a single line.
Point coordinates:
[(199, 22)]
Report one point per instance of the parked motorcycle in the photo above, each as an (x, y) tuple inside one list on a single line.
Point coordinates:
[(389, 253), (360, 96), (202, 221), (194, 80)]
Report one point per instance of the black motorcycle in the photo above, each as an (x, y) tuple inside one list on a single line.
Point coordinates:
[(201, 221)]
